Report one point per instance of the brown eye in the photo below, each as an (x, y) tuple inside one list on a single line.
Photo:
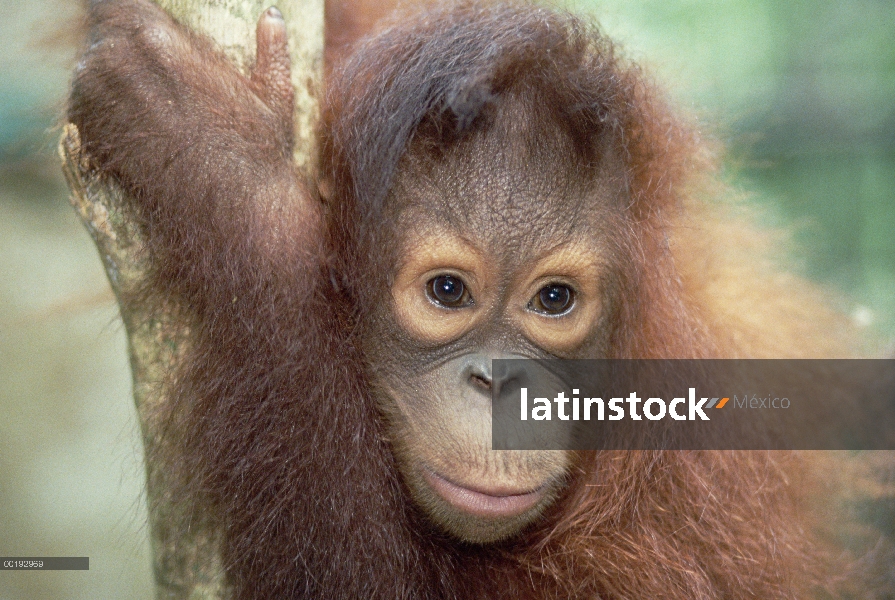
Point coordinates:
[(448, 291), (553, 299)]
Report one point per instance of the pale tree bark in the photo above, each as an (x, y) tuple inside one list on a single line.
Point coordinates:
[(187, 560)]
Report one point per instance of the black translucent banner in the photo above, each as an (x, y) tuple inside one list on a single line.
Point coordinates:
[(44, 563), (693, 404)]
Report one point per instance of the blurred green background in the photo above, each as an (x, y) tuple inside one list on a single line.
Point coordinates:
[(801, 92)]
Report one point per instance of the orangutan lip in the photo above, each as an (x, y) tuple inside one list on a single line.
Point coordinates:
[(493, 502)]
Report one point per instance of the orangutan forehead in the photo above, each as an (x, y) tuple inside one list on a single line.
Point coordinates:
[(495, 210), (521, 171), (489, 196)]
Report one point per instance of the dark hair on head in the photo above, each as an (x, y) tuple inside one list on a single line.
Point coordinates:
[(433, 80)]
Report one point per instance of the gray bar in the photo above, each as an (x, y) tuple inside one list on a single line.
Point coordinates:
[(44, 563), (618, 404)]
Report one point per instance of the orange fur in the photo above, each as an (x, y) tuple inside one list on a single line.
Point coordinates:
[(273, 436)]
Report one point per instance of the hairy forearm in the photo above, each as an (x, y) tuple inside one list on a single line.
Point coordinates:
[(203, 151)]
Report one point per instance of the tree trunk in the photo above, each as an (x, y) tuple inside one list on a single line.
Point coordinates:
[(187, 560)]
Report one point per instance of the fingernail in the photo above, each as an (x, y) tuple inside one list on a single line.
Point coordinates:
[(274, 12)]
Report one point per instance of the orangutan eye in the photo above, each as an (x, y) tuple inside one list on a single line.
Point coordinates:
[(553, 299), (448, 291)]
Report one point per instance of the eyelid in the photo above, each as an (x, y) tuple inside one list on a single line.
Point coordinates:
[(461, 304), (540, 283), (573, 299), (432, 252), (469, 280), (578, 266)]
